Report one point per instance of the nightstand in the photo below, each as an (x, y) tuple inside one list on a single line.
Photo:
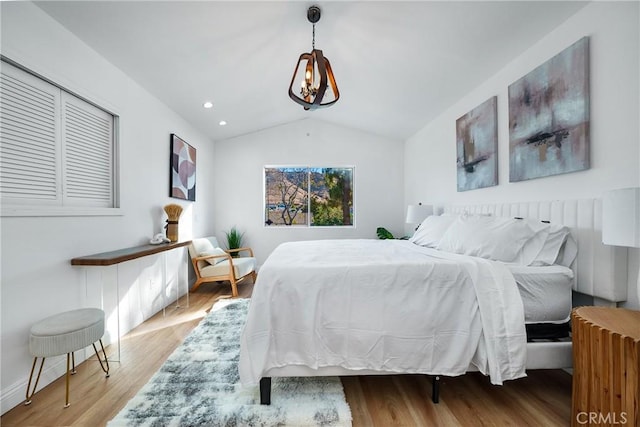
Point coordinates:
[(606, 367)]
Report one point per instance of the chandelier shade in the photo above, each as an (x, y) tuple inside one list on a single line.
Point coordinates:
[(317, 86)]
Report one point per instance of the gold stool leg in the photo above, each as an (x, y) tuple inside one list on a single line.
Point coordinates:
[(106, 361), (66, 403), (30, 394), (73, 363)]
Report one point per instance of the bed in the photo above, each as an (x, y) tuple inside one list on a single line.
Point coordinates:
[(359, 307)]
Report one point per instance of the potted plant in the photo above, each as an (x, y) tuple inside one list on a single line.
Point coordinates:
[(234, 240)]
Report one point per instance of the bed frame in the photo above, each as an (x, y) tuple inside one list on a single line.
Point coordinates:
[(600, 271)]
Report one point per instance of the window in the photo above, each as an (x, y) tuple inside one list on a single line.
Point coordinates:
[(56, 150), (308, 196)]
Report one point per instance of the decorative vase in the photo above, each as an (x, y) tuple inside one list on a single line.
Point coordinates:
[(172, 230)]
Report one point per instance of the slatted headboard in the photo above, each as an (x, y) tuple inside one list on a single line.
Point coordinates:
[(600, 270)]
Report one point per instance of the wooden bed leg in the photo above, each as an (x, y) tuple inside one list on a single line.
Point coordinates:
[(265, 391), (435, 389)]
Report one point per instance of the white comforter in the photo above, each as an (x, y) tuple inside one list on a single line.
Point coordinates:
[(383, 305)]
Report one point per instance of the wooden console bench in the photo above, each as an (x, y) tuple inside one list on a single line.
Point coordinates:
[(127, 254), (104, 290)]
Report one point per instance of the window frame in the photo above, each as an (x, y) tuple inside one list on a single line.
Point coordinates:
[(308, 224)]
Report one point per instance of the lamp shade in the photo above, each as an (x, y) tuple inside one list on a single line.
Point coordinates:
[(417, 213), (621, 217)]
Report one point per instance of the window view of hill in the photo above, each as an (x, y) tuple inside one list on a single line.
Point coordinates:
[(301, 196)]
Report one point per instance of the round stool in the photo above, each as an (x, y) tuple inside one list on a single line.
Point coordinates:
[(66, 333)]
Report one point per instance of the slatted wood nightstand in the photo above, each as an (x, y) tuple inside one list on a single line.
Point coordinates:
[(606, 367)]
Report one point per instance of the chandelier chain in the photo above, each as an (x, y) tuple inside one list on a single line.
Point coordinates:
[(313, 39)]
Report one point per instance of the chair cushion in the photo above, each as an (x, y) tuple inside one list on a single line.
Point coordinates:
[(66, 332), (242, 267)]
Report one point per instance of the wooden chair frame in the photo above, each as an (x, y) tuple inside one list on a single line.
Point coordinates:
[(231, 276)]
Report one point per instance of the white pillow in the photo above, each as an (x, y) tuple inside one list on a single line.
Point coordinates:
[(568, 252), (497, 238), (534, 245), (431, 230), (214, 251), (549, 252), (201, 244)]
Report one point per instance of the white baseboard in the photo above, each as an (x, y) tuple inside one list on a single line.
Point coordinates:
[(54, 368)]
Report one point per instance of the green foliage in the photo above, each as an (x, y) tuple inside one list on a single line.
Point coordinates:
[(338, 182), (383, 233), (332, 199), (234, 238), (323, 214)]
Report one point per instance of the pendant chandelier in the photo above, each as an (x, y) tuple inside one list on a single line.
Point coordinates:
[(313, 77)]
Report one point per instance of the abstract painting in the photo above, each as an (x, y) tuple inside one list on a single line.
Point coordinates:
[(549, 117), (183, 169), (477, 147)]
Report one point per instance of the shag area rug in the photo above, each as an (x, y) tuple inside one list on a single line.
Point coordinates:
[(199, 385)]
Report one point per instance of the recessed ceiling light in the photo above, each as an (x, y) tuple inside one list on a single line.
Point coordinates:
[(208, 104), (222, 123)]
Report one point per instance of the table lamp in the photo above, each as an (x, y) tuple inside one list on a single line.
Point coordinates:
[(417, 213), (621, 219)]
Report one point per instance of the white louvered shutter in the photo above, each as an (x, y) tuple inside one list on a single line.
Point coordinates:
[(56, 149), (30, 159), (87, 135)]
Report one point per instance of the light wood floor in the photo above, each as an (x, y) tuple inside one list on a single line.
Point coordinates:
[(541, 399)]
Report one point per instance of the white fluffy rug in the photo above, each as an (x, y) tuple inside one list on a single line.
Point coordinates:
[(199, 385)]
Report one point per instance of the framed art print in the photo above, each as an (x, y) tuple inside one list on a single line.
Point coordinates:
[(477, 146), (549, 117), (183, 169)]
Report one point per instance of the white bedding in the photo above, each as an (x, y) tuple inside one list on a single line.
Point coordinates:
[(383, 305), (546, 292)]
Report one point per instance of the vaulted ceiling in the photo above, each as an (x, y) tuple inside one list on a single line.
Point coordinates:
[(397, 64)]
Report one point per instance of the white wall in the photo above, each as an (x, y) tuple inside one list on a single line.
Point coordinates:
[(238, 191), (37, 279), (430, 155)]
